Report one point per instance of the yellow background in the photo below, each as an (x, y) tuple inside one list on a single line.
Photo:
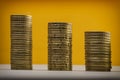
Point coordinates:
[(84, 15)]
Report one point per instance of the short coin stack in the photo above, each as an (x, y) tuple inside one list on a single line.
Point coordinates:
[(21, 42), (59, 46), (97, 51)]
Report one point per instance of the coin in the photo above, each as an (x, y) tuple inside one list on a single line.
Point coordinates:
[(21, 42), (97, 51), (59, 46)]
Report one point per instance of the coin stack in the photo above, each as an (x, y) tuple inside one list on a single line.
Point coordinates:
[(59, 46), (97, 51), (21, 42)]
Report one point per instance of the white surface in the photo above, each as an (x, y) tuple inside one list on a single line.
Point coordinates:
[(41, 72), (36, 74), (44, 67)]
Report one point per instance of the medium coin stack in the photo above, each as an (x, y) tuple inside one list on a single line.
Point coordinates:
[(21, 42), (59, 46), (97, 51)]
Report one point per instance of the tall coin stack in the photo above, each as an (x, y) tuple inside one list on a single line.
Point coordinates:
[(97, 51), (21, 42), (59, 46)]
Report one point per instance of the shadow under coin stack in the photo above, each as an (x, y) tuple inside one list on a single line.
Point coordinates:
[(21, 42), (59, 46), (98, 51)]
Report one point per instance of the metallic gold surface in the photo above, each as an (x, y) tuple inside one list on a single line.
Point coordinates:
[(97, 51), (21, 42), (59, 46)]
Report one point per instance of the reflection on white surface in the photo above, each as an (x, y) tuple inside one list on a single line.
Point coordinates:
[(40, 71), (45, 68)]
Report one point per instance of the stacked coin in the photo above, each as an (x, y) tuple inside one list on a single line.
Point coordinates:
[(21, 42), (59, 46), (97, 51)]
